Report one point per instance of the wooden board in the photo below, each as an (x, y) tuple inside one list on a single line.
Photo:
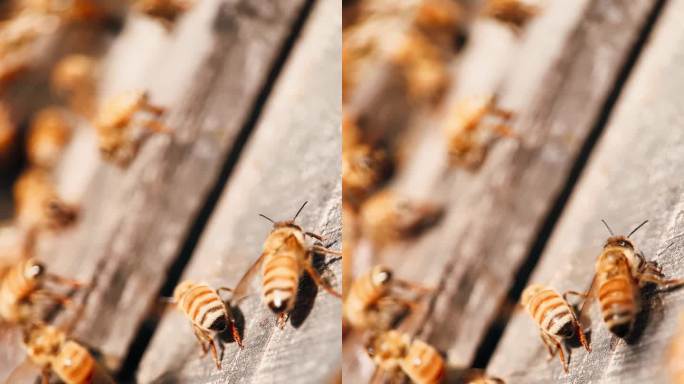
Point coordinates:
[(556, 77), (211, 72), (293, 157), (633, 174)]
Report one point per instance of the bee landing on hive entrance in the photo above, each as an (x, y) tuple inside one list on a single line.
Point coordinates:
[(207, 313), (394, 352), (123, 123), (469, 136), (555, 319), (621, 273), (286, 255), (23, 285), (374, 300), (37, 204)]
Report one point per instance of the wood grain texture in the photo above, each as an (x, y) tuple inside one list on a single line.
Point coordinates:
[(293, 157), (208, 72), (556, 77), (633, 174)]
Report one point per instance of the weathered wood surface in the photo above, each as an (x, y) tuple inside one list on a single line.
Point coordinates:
[(556, 78), (293, 157), (633, 174), (209, 73)]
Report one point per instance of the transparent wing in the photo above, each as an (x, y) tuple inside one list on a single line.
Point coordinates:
[(24, 373), (243, 287)]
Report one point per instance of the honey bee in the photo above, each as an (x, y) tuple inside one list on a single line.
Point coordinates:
[(675, 355), (207, 313), (515, 13), (164, 11), (423, 66), (286, 255), (21, 42), (74, 77), (374, 295), (24, 284), (621, 272), (438, 19), (50, 349), (394, 352), (123, 123), (363, 169), (38, 205), (387, 217), (49, 133), (555, 319), (467, 140)]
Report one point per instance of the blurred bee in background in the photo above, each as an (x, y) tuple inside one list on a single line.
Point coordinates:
[(123, 122), (387, 217), (50, 349), (286, 255), (38, 205), (439, 19), (376, 299), (423, 65), (74, 77), (364, 168), (395, 353), (24, 284), (621, 273), (515, 13), (48, 136), (207, 313), (675, 356), (8, 136), (164, 11), (555, 319), (67, 10), (468, 136)]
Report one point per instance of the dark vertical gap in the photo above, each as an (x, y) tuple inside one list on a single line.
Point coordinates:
[(493, 334), (149, 325)]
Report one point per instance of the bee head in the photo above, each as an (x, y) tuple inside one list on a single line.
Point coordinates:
[(381, 275), (286, 224), (530, 292), (619, 241), (180, 290), (33, 269)]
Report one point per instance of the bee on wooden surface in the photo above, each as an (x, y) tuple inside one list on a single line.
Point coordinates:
[(387, 217), (555, 318), (675, 356), (423, 65), (515, 13), (74, 77), (24, 284), (621, 273), (123, 123), (468, 136), (50, 349), (394, 352), (286, 255), (376, 297), (207, 313), (164, 11), (21, 42), (38, 205), (364, 168), (48, 135)]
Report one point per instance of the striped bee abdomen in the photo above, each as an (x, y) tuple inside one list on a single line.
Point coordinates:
[(204, 307), (552, 313), (280, 273), (15, 287), (362, 293), (74, 364), (618, 303), (423, 364)]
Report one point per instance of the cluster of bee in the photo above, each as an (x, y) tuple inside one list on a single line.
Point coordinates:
[(286, 256), (413, 42), (28, 292), (621, 272)]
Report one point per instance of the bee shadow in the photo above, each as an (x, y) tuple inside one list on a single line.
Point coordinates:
[(651, 301), (226, 336), (306, 293)]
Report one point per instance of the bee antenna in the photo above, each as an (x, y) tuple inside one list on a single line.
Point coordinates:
[(608, 227), (300, 211), (637, 228), (267, 218)]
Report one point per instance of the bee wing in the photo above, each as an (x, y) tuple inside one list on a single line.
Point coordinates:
[(588, 300), (25, 373), (242, 288)]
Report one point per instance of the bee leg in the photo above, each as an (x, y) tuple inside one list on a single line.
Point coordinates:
[(200, 340), (315, 236), (582, 336), (652, 275), (60, 299), (45, 375), (74, 284), (212, 346), (236, 333), (411, 286), (155, 126), (281, 320), (557, 347), (324, 250), (154, 109), (319, 280)]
